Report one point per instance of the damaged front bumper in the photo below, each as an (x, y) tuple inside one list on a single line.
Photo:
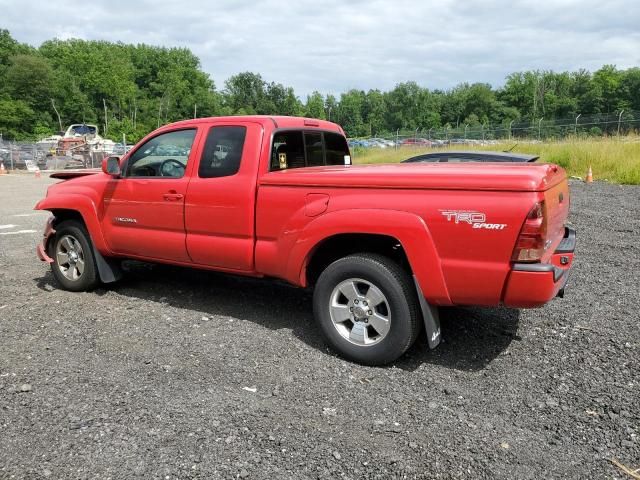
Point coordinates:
[(43, 247)]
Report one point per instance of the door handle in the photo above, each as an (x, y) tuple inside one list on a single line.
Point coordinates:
[(172, 197)]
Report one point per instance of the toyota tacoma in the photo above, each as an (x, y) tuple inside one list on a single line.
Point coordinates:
[(382, 246)]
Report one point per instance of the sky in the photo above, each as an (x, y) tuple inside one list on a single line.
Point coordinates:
[(334, 45)]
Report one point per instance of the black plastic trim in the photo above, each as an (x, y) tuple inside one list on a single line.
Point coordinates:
[(568, 243), (540, 268), (431, 318), (533, 267), (109, 270)]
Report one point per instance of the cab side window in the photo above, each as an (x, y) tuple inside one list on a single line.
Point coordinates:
[(287, 151), (296, 148), (315, 153), (164, 155), (222, 152), (336, 149)]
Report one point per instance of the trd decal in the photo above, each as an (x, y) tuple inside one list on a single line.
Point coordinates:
[(477, 220)]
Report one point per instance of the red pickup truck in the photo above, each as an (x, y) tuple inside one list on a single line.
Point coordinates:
[(382, 246)]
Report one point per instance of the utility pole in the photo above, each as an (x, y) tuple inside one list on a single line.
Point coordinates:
[(540, 127), (510, 128), (465, 131), (619, 118), (535, 96), (575, 127), (195, 110), (106, 122), (57, 113)]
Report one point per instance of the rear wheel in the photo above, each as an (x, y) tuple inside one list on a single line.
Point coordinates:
[(367, 308), (73, 264)]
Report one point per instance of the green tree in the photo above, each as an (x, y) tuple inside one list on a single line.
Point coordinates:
[(16, 118), (373, 111), (607, 81), (244, 91), (314, 108), (28, 78), (630, 89), (349, 113)]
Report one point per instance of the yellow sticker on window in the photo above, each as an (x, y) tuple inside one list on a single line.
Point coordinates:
[(282, 157)]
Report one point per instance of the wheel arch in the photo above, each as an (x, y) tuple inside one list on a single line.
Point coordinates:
[(108, 269), (80, 208), (404, 234), (340, 245)]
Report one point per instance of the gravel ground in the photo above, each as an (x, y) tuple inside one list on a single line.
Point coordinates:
[(180, 374)]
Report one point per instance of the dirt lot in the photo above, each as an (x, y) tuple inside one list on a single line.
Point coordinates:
[(180, 374)]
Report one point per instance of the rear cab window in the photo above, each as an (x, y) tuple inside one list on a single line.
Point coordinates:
[(303, 148)]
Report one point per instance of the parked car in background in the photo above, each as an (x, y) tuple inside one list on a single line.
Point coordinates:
[(381, 142), (4, 152), (472, 156), (376, 143), (416, 142), (359, 143), (120, 149)]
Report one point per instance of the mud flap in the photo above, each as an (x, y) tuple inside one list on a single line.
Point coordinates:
[(431, 318), (109, 270)]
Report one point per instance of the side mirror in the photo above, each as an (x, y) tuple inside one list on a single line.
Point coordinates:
[(111, 166)]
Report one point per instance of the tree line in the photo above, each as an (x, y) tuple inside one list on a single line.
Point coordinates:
[(132, 89)]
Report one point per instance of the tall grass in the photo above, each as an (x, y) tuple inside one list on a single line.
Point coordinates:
[(614, 159)]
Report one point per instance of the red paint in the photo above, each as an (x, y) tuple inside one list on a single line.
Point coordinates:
[(263, 223)]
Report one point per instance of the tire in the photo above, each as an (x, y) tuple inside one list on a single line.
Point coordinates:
[(353, 323), (74, 265)]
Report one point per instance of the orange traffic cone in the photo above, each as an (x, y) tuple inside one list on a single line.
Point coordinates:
[(589, 178), (3, 171), (38, 172)]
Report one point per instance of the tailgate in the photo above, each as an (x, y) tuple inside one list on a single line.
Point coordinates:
[(556, 204)]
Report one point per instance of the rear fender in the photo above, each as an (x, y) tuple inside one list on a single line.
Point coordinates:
[(409, 229)]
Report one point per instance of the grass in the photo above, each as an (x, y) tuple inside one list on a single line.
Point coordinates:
[(616, 160)]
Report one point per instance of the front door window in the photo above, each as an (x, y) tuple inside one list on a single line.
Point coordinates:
[(164, 155)]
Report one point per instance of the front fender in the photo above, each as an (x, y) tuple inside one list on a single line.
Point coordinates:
[(409, 229), (85, 207)]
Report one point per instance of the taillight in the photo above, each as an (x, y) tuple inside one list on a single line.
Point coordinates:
[(531, 243)]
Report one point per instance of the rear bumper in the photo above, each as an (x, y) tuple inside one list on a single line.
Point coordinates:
[(533, 284), (42, 248)]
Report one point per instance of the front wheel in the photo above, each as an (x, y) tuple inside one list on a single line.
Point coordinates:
[(73, 266), (367, 308)]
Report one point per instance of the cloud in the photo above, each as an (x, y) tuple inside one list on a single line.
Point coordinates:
[(334, 45)]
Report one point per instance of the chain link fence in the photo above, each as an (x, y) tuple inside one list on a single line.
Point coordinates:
[(621, 123), (49, 155)]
